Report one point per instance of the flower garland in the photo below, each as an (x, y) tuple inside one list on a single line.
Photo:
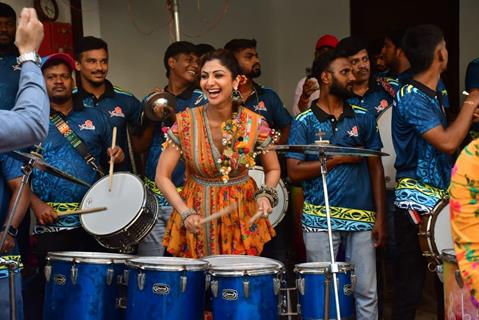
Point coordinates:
[(235, 145)]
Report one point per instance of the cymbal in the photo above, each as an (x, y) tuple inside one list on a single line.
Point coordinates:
[(159, 106), (40, 164), (327, 149)]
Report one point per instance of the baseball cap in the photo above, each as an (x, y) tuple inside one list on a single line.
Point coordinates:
[(63, 57), (327, 40)]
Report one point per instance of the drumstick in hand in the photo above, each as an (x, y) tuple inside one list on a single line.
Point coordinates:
[(220, 213), (113, 144), (258, 215), (81, 211)]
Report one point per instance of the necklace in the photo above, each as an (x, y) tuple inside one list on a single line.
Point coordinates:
[(235, 145)]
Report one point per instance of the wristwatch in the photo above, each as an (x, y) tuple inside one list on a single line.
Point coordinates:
[(12, 231), (29, 56)]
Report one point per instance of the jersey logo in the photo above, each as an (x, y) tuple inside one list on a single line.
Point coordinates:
[(117, 112), (88, 125), (353, 132), (260, 106), (383, 104)]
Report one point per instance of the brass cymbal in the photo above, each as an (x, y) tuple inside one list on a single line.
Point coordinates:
[(327, 149), (160, 106), (40, 164)]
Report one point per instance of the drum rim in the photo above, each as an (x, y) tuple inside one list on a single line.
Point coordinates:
[(316, 268), (285, 193), (92, 257), (142, 264), (429, 234), (268, 261), (264, 266), (143, 205)]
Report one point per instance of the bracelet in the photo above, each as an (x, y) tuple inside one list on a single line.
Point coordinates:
[(269, 192), (185, 214), (12, 231)]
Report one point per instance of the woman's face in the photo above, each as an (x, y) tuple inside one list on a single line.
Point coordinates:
[(217, 82)]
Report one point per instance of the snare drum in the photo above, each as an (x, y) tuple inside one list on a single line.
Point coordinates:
[(279, 211), (244, 287), (384, 126), (166, 288), (457, 299), (435, 233), (310, 281), (84, 285), (131, 214)]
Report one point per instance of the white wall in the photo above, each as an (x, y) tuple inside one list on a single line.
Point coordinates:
[(286, 33), (63, 8)]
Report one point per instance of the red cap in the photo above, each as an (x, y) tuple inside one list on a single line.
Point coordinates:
[(327, 40), (63, 57)]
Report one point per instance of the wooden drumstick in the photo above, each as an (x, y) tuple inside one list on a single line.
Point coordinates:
[(220, 213), (81, 211), (110, 175), (256, 216)]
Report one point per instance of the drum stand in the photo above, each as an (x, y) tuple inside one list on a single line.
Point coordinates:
[(334, 265), (10, 264)]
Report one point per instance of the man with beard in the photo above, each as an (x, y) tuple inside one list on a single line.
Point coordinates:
[(424, 143), (70, 125), (355, 185), (261, 100), (369, 94), (181, 64), (8, 58), (95, 91)]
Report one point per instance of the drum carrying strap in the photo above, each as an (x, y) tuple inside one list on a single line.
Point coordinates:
[(76, 142)]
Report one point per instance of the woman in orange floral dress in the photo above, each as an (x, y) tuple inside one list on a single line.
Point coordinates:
[(219, 142), (464, 203)]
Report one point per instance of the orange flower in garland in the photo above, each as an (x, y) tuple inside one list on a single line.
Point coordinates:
[(235, 146)]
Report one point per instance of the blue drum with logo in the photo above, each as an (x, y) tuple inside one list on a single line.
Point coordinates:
[(311, 280), (166, 288), (244, 287), (84, 285)]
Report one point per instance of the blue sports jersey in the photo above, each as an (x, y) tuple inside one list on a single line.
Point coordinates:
[(9, 170), (189, 98), (422, 171), (349, 185), (266, 102), (121, 109), (94, 129), (10, 75), (406, 77), (379, 97)]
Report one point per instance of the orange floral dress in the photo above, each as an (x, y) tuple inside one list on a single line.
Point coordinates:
[(464, 203), (206, 190)]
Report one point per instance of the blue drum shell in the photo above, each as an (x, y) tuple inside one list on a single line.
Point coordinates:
[(90, 298), (161, 297), (232, 304), (312, 302)]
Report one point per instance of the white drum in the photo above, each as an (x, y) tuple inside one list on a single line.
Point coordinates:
[(279, 211), (384, 125), (131, 211), (435, 233)]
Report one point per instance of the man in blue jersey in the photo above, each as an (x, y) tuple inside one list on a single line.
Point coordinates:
[(9, 69), (261, 100), (424, 143), (182, 71), (70, 125), (10, 180), (355, 185), (94, 91)]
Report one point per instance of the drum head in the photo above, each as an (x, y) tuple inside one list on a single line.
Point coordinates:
[(90, 257), (384, 126), (442, 227), (321, 267), (279, 211), (123, 203), (239, 264), (167, 264)]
